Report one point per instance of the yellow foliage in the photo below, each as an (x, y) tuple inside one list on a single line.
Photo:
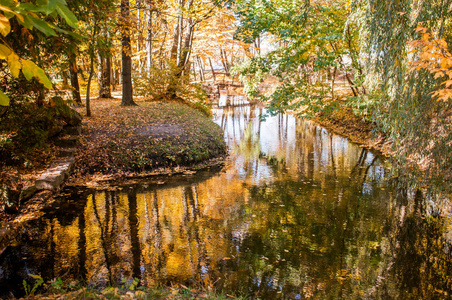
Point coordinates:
[(14, 64), (5, 26), (4, 51), (433, 56)]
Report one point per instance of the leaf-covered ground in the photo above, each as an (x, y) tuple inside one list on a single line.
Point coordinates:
[(150, 137)]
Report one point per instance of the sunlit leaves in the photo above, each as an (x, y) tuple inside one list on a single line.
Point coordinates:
[(310, 39), (433, 56), (66, 14), (31, 70), (42, 26), (406, 77), (4, 100), (5, 27), (14, 64), (28, 15), (4, 51)]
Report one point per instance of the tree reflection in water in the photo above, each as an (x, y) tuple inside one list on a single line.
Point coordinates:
[(296, 213)]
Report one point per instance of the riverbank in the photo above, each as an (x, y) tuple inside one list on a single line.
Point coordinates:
[(58, 291), (346, 123), (211, 201), (153, 138), (201, 217)]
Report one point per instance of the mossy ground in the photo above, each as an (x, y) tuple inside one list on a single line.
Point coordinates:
[(151, 136)]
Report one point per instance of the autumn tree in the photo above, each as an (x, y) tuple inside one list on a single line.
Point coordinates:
[(127, 94), (310, 40), (403, 99), (26, 21), (190, 14)]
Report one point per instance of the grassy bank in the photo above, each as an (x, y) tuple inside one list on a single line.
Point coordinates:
[(150, 137), (54, 292), (346, 123)]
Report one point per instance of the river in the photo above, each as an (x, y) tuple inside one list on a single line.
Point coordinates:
[(296, 213)]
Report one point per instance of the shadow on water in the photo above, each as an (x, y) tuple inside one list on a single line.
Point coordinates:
[(297, 212)]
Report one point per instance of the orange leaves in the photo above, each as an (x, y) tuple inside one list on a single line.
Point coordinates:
[(432, 55)]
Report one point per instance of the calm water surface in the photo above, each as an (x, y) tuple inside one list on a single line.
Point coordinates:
[(296, 213)]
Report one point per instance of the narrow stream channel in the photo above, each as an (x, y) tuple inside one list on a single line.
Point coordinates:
[(296, 213)]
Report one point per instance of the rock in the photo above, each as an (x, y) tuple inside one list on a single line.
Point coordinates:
[(9, 198), (66, 113), (73, 130), (56, 128), (27, 192), (72, 118), (54, 177), (66, 142), (66, 152)]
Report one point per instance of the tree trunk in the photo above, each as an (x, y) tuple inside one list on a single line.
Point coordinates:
[(186, 47), (65, 79), (104, 73), (194, 70), (333, 78), (160, 56), (88, 86), (139, 37), (351, 84), (91, 70), (174, 47), (74, 79), (224, 60), (107, 78), (201, 69), (127, 93), (150, 36), (211, 67)]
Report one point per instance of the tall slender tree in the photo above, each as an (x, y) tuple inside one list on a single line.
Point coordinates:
[(127, 96)]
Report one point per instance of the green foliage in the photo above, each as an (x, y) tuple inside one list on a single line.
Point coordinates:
[(312, 40), (57, 288), (30, 290), (402, 103), (371, 40), (25, 128), (131, 286), (251, 82), (30, 16), (58, 285), (4, 100)]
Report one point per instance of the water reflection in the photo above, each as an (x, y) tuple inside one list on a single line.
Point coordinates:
[(296, 213)]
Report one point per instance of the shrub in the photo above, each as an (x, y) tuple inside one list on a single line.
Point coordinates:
[(155, 83)]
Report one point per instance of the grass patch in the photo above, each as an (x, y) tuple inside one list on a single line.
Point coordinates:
[(150, 136), (57, 289)]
